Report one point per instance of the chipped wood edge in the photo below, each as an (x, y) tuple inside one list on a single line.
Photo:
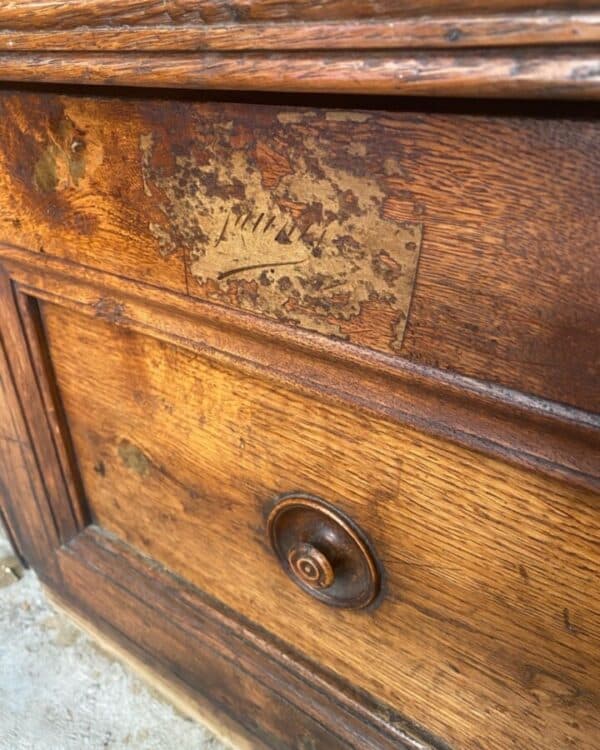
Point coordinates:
[(218, 722)]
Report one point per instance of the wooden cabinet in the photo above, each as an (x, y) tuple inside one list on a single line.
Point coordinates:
[(299, 393)]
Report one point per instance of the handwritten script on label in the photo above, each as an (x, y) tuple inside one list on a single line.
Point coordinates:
[(285, 230)]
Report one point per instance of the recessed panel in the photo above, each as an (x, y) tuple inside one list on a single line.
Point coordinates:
[(489, 592)]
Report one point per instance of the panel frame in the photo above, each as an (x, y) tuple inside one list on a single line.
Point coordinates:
[(547, 437), (227, 666)]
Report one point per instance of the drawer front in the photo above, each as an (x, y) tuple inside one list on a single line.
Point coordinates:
[(464, 242), (487, 627)]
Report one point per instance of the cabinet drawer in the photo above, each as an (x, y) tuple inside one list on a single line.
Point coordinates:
[(459, 240), (489, 592)]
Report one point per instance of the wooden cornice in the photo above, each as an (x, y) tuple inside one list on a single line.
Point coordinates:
[(337, 46)]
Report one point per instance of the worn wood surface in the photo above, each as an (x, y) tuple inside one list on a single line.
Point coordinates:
[(297, 46), (31, 401), (432, 32), (490, 595), (255, 683), (28, 14), (544, 436), (33, 500), (567, 73), (506, 287), (279, 697)]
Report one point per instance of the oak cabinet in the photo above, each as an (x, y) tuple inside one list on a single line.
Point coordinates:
[(299, 393)]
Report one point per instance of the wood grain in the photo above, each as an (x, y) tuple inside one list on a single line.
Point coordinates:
[(506, 287), (431, 32), (28, 14), (491, 597), (278, 696), (33, 499), (566, 74), (544, 436)]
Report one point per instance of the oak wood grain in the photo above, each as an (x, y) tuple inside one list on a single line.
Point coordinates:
[(431, 32), (28, 14), (506, 287), (272, 689), (566, 74), (491, 571), (541, 435), (33, 498)]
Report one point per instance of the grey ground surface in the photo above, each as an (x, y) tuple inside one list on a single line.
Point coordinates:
[(59, 691)]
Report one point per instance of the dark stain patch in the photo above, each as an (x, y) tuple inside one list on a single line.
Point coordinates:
[(548, 688), (569, 627), (109, 309), (523, 573), (453, 35), (100, 468), (44, 172), (306, 742), (63, 158), (133, 458)]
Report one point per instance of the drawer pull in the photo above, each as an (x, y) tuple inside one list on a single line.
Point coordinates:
[(323, 551), (310, 566)]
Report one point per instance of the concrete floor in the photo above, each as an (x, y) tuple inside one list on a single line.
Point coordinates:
[(59, 691)]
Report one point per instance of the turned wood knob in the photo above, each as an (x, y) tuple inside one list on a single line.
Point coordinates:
[(310, 566), (323, 551)]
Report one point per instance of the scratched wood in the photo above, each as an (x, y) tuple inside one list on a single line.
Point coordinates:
[(491, 572), (505, 292), (525, 73), (457, 31), (40, 14)]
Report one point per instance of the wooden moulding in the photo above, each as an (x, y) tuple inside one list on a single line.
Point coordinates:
[(432, 32), (568, 73), (349, 47), (233, 670), (556, 440), (48, 14), (222, 663), (280, 699), (37, 494)]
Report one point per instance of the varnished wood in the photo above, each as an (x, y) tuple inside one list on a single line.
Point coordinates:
[(35, 14), (261, 354), (542, 435), (335, 716), (432, 32), (486, 304), (323, 551), (225, 660), (466, 541), (255, 30), (29, 494), (566, 74)]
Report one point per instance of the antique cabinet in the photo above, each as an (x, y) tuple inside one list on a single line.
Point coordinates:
[(299, 363)]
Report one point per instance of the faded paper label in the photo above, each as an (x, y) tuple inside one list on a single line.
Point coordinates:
[(287, 234)]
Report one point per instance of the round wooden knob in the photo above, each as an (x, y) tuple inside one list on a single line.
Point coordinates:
[(311, 566), (323, 551)]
